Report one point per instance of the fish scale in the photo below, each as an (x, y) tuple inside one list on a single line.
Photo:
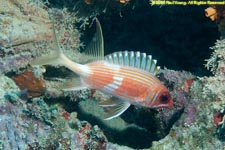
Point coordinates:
[(103, 78)]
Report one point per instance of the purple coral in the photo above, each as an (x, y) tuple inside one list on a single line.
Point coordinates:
[(10, 63), (91, 137), (190, 114)]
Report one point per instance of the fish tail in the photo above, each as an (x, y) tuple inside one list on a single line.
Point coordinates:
[(53, 58), (57, 57)]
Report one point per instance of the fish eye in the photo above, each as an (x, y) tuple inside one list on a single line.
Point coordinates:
[(164, 98)]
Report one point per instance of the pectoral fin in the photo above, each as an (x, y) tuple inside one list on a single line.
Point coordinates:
[(114, 107)]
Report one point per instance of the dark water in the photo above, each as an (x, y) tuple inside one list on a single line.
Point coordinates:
[(178, 37)]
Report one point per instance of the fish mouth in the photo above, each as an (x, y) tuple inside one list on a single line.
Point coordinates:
[(162, 106), (168, 105)]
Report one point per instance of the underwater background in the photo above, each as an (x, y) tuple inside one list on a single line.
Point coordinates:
[(187, 42)]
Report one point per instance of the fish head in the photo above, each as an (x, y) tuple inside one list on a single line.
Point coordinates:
[(160, 98)]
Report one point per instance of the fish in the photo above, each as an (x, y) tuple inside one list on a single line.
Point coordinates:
[(128, 76)]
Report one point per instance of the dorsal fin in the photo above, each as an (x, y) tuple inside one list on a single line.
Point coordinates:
[(95, 49), (134, 59)]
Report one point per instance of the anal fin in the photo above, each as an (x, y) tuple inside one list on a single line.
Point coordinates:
[(73, 84), (114, 107)]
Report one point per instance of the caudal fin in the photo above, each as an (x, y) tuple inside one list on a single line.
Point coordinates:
[(56, 57)]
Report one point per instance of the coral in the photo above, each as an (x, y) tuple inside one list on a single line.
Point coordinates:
[(91, 138), (15, 62), (16, 131), (214, 85), (27, 81), (215, 13), (27, 33), (211, 13), (206, 106), (180, 84), (35, 125), (34, 19), (219, 121), (187, 84)]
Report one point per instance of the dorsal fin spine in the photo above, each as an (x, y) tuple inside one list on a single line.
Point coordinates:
[(137, 60), (153, 65), (149, 62), (143, 61), (110, 60), (134, 59), (121, 59), (126, 59), (115, 60)]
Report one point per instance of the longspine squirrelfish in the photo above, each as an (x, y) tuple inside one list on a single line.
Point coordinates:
[(128, 76)]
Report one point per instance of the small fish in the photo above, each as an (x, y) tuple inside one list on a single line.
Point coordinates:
[(127, 76)]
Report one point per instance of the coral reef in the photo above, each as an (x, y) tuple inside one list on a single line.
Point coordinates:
[(17, 129), (35, 125), (206, 99), (27, 81), (91, 139), (34, 19), (28, 122), (34, 22), (214, 86), (36, 114)]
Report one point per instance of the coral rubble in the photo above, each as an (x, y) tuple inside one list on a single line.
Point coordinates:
[(35, 125)]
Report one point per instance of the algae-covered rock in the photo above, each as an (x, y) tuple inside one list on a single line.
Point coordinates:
[(27, 32), (207, 131)]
